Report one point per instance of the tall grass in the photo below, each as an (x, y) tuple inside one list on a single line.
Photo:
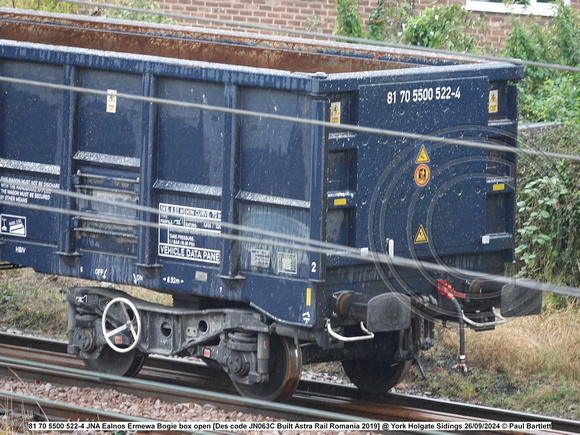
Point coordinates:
[(35, 302), (545, 344), (530, 364)]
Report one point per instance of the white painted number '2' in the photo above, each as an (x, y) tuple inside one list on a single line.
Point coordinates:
[(313, 267)]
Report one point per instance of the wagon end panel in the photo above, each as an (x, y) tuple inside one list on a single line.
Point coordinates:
[(422, 198)]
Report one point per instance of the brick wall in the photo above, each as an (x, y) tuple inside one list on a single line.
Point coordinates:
[(302, 14), (293, 14)]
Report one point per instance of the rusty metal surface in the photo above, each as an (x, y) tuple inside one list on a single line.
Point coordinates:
[(243, 49)]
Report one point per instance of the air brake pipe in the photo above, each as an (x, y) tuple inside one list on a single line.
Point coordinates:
[(449, 292), (501, 320), (368, 334)]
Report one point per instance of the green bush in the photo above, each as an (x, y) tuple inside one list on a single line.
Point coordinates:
[(548, 209), (38, 5), (63, 7), (398, 13), (377, 24), (147, 5), (348, 22), (444, 27), (547, 94), (547, 245), (439, 26), (557, 99)]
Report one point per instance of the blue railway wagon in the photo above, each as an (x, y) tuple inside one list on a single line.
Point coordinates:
[(163, 157)]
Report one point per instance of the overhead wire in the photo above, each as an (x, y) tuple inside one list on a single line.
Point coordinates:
[(346, 127), (285, 118), (277, 239), (292, 242)]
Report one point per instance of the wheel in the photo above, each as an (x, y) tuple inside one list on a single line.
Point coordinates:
[(285, 369), (121, 308), (379, 373), (374, 376), (114, 363), (120, 321)]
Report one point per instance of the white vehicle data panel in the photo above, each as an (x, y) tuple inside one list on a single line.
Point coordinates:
[(189, 233)]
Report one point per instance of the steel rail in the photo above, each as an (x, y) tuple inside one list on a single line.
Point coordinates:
[(171, 392), (345, 399), (147, 387), (317, 407), (54, 411)]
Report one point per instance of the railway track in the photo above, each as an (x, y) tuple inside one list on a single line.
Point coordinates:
[(192, 381)]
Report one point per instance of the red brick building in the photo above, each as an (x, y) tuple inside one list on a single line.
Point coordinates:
[(321, 14)]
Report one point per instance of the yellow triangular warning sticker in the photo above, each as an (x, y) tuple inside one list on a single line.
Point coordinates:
[(493, 103), (335, 112), (421, 236), (423, 156)]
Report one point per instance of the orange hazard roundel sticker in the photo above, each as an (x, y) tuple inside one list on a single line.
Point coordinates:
[(422, 175)]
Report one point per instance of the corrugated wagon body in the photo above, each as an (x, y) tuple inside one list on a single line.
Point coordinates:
[(162, 157)]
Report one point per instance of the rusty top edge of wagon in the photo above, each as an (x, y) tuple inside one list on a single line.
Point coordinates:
[(212, 45)]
